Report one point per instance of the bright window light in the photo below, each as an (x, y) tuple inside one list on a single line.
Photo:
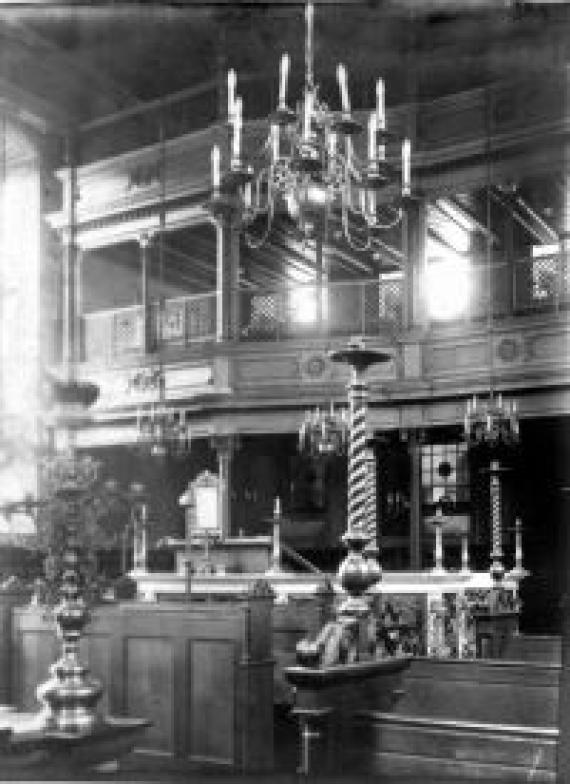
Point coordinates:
[(447, 287), (538, 251), (303, 304)]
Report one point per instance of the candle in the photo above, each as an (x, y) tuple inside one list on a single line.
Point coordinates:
[(380, 105), (236, 140), (231, 92), (406, 168), (348, 151), (372, 137), (332, 144), (283, 74), (343, 86), (372, 204), (277, 507), (247, 195), (274, 143), (215, 158)]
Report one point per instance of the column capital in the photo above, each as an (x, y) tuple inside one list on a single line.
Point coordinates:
[(225, 444), (145, 239), (68, 238)]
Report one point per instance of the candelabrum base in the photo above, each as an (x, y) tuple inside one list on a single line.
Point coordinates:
[(497, 571), (379, 174), (355, 607), (346, 125), (221, 206), (26, 746), (283, 115)]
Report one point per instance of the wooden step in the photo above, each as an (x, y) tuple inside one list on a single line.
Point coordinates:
[(486, 691), (546, 648), (394, 745)]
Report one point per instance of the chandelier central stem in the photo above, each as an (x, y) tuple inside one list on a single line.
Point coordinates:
[(309, 18)]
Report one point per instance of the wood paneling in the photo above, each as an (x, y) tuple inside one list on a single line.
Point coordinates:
[(150, 685), (212, 681), (202, 673), (36, 652)]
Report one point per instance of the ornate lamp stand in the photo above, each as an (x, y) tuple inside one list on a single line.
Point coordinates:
[(69, 730), (352, 637), (358, 573)]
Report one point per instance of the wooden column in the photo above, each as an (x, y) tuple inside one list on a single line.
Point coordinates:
[(414, 234), (70, 279), (225, 446), (144, 245), (563, 755), (227, 277), (563, 758), (415, 501)]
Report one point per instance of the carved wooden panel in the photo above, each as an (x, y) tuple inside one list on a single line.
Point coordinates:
[(96, 653), (211, 668), (150, 688), (36, 650)]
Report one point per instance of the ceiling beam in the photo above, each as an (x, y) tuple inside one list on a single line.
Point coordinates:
[(76, 65), (529, 220)]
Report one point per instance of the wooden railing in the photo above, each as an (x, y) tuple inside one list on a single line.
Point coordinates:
[(368, 308), (344, 308)]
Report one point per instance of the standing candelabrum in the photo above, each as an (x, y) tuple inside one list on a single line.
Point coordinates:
[(275, 566), (70, 697), (493, 425), (357, 573), (437, 521)]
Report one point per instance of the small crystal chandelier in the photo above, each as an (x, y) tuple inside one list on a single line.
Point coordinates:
[(493, 422), (161, 429), (309, 164), (324, 433)]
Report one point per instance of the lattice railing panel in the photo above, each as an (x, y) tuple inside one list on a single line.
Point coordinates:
[(261, 315), (201, 318), (128, 330), (388, 303)]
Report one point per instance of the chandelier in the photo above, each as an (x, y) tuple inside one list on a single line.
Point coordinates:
[(493, 422), (324, 433), (161, 430), (309, 164)]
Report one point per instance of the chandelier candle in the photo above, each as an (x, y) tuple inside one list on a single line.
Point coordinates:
[(236, 139), (231, 93), (283, 74), (215, 156), (406, 168), (380, 116), (372, 147), (343, 87)]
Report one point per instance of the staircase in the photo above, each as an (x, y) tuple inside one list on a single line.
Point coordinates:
[(484, 720)]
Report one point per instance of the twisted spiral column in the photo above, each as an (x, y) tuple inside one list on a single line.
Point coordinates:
[(356, 572), (357, 457), (371, 505), (497, 568)]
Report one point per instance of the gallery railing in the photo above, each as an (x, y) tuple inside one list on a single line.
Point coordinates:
[(368, 308)]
